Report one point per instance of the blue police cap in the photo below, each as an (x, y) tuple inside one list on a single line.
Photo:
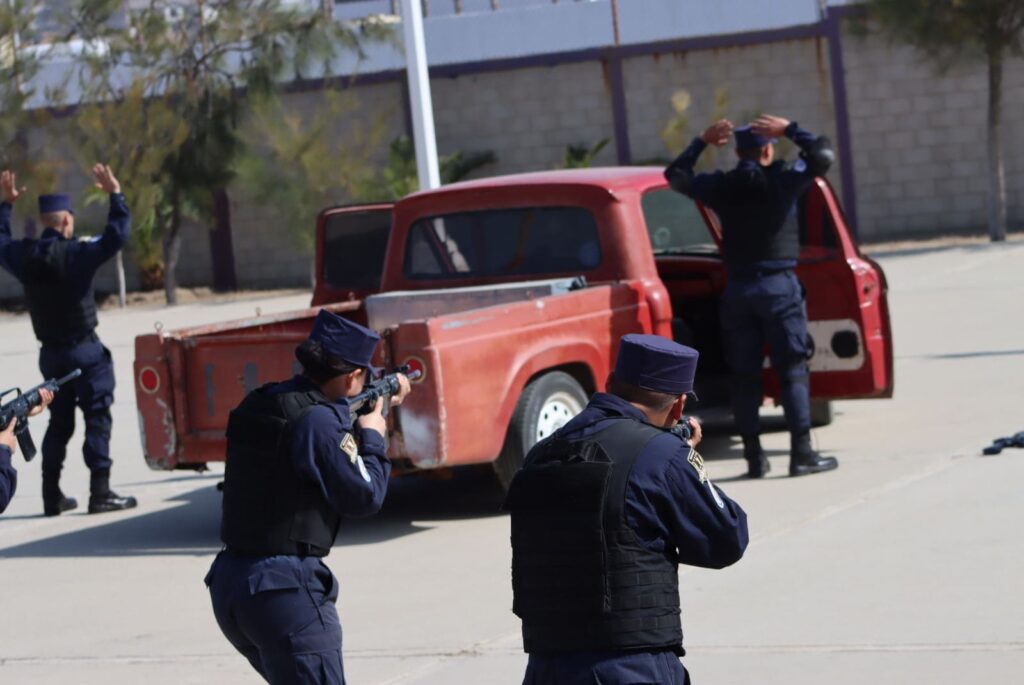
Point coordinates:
[(655, 363), (746, 138), (344, 339), (58, 202)]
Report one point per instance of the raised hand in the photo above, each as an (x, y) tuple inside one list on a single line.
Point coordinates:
[(717, 133), (9, 187), (769, 125), (105, 179)]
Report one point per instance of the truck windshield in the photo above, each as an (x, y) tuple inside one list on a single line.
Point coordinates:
[(354, 245), (503, 242), (675, 225)]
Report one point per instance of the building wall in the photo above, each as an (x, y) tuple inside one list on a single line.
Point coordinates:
[(917, 136), (919, 139)]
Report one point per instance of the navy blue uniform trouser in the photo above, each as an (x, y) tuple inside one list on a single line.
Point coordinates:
[(93, 392), (279, 613), (768, 309), (604, 668)]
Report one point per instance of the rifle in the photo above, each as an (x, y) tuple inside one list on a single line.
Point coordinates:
[(385, 387), (18, 409), (997, 446)]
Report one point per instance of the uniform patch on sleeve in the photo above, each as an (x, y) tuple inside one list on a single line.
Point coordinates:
[(697, 462), (348, 446), (800, 166)]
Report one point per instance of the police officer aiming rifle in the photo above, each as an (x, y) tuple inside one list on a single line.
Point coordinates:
[(9, 440), (603, 513), (297, 463)]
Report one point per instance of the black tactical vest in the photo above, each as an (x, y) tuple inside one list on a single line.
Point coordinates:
[(61, 312), (581, 579), (267, 509), (754, 217)]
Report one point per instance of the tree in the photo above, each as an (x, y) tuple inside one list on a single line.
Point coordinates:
[(399, 177), (582, 156), (208, 63), (295, 166), (20, 100), (951, 30), (134, 147)]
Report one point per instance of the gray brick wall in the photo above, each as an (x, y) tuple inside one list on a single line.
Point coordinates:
[(918, 136), (919, 141)]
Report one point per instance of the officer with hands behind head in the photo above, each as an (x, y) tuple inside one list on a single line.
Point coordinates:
[(297, 463), (763, 299), (57, 273), (8, 446), (603, 512)]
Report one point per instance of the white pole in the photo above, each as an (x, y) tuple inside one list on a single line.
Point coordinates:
[(121, 295), (419, 95)]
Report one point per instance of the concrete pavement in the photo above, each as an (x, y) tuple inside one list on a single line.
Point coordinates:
[(903, 566)]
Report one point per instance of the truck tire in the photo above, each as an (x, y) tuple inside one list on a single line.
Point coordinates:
[(546, 405), (821, 413)]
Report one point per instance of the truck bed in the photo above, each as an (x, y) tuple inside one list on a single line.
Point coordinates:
[(188, 380)]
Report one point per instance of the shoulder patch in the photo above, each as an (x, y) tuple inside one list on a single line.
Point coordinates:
[(800, 166), (697, 462), (348, 446)]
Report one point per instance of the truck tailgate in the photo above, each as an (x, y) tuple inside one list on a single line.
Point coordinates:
[(187, 381)]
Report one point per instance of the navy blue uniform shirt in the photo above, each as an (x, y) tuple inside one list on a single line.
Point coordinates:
[(353, 487), (712, 190), (8, 477), (84, 258), (668, 505)]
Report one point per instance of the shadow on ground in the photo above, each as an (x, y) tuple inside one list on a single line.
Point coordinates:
[(192, 527)]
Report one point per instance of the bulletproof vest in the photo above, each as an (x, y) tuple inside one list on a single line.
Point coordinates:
[(60, 310), (268, 510), (754, 213), (581, 579)]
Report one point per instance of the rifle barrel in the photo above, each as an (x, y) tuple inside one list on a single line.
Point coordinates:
[(71, 376)]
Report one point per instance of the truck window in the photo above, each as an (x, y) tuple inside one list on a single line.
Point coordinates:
[(675, 225), (503, 242), (354, 245)]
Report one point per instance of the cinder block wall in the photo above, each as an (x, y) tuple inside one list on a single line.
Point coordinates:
[(918, 136), (919, 140)]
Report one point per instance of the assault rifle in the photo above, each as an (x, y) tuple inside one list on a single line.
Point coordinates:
[(385, 387), (17, 410), (1016, 440)]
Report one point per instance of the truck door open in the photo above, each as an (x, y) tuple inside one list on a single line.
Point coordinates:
[(350, 246), (847, 304)]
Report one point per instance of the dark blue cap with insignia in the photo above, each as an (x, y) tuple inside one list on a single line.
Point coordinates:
[(48, 204), (746, 138), (344, 340), (655, 363)]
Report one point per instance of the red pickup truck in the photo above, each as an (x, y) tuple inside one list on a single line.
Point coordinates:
[(511, 294)]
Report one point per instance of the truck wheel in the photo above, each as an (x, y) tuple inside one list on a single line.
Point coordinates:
[(821, 413), (546, 405)]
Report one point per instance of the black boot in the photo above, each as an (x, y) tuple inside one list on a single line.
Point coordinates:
[(54, 501), (102, 498), (803, 460), (757, 462)]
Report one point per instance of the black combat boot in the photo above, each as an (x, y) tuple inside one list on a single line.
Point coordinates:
[(54, 501), (102, 498), (803, 460), (757, 462)]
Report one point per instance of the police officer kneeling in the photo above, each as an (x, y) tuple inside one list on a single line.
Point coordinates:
[(603, 512), (295, 466)]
